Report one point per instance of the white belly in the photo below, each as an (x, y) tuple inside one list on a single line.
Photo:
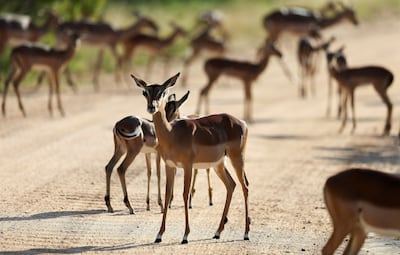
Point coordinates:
[(197, 165)]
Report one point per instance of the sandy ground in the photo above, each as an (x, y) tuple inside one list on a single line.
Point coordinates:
[(53, 181)]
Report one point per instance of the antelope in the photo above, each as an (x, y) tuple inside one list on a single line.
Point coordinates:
[(245, 71), (18, 31), (101, 35), (298, 21), (197, 143), (339, 60), (204, 41), (154, 45), (307, 55), (27, 57), (360, 201), (133, 135), (349, 79)]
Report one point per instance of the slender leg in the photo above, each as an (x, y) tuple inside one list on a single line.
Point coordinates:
[(57, 85), (70, 81), (97, 68), (9, 79), (209, 187), (51, 89), (148, 165), (130, 156), (338, 234), (186, 66), (168, 190), (193, 190), (204, 94), (186, 189), (16, 83), (149, 67), (118, 67), (248, 102), (353, 111), (389, 106), (230, 184), (119, 150), (344, 109), (357, 238), (158, 167)]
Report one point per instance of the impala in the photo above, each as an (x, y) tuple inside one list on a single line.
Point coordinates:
[(349, 79), (245, 71), (360, 201), (133, 135), (102, 36), (17, 31), (298, 21), (27, 57), (308, 51), (197, 143), (154, 45)]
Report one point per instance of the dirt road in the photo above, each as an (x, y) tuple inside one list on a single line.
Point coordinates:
[(53, 180)]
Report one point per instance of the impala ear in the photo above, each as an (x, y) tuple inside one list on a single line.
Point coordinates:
[(140, 83), (172, 97), (171, 81), (183, 99)]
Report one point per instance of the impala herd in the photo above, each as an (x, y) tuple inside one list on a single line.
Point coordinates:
[(358, 200)]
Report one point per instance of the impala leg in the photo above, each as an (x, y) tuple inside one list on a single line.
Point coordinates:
[(39, 81), (158, 167), (344, 110), (238, 163), (187, 65), (357, 238), (119, 150), (9, 79), (97, 68), (230, 184), (170, 175), (204, 94), (193, 190), (70, 81), (51, 90), (130, 156), (389, 106), (57, 85), (148, 165), (16, 83), (209, 187), (172, 191), (353, 111), (118, 65), (338, 234), (186, 189), (248, 102)]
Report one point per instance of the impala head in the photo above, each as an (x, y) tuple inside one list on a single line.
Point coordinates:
[(173, 105), (178, 29), (146, 22), (269, 49), (155, 94), (349, 13), (336, 58)]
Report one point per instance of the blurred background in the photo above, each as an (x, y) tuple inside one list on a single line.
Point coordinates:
[(242, 21)]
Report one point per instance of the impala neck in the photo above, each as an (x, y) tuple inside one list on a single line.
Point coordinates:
[(327, 22), (263, 62), (162, 126), (171, 37)]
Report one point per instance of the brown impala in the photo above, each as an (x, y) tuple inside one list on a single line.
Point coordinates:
[(360, 201), (133, 135), (197, 143)]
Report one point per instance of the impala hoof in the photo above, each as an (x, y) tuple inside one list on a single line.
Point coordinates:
[(211, 204), (216, 236), (246, 238), (158, 240), (184, 241)]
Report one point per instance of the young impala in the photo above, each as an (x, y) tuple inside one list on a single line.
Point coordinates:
[(197, 143), (360, 201), (154, 45), (298, 21), (245, 71), (133, 135), (27, 57), (350, 78)]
